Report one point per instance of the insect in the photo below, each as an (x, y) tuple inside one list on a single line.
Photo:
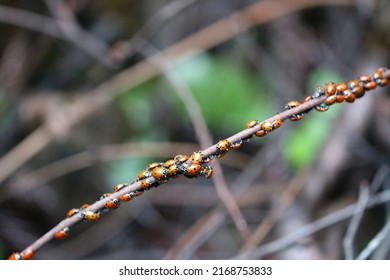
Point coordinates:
[(330, 100), (222, 147), (330, 88), (169, 163), (160, 173), (276, 124), (126, 197), (153, 165), (148, 183), (27, 254), (62, 233), (207, 171), (251, 123), (72, 212), (112, 204), (90, 216), (349, 96), (370, 85), (319, 91), (322, 107), (15, 257), (174, 170), (236, 145), (144, 174), (290, 105), (197, 157), (181, 158), (192, 170), (120, 186), (260, 133), (266, 126)]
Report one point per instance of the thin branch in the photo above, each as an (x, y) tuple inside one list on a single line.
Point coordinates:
[(320, 224), (286, 199), (353, 226), (85, 105), (46, 25), (375, 242)]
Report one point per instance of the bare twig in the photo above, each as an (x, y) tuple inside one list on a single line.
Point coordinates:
[(314, 227), (375, 242), (286, 198), (43, 24), (353, 226)]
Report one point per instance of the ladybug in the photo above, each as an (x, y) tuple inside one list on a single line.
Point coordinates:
[(339, 98), (383, 82), (266, 126), (192, 170), (353, 83), (251, 123), (160, 173), (223, 145), (181, 158), (144, 174), (120, 186), (62, 233), (308, 98), (72, 212), (85, 205), (322, 107), (276, 124), (207, 171), (378, 75), (27, 254), (319, 91), (330, 100), (153, 165), (330, 89), (197, 157), (15, 257), (169, 163), (296, 117), (174, 170), (236, 145), (341, 87), (126, 197), (112, 204), (370, 85), (147, 183), (349, 96), (292, 104), (90, 216), (358, 91), (365, 78), (260, 133)]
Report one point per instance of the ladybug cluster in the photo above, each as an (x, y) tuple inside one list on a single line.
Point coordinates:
[(196, 165), (155, 174), (338, 93)]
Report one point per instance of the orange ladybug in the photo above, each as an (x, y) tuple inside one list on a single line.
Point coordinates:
[(197, 157), (72, 212), (62, 233), (27, 254)]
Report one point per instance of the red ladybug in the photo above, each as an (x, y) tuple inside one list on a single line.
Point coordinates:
[(27, 254), (62, 233)]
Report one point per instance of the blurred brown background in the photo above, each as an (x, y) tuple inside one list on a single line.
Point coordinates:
[(81, 109)]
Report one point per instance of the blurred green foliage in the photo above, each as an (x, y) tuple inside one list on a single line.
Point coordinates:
[(305, 140)]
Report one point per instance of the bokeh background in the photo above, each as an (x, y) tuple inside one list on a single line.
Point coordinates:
[(82, 108)]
